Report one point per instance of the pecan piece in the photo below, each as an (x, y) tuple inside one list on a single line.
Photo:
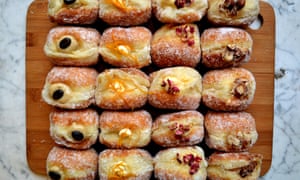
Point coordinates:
[(233, 53), (241, 88), (182, 3), (232, 6), (247, 170)]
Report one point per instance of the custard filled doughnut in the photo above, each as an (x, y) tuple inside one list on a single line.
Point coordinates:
[(232, 12), (70, 164), (72, 46), (230, 132), (180, 163), (125, 164), (243, 165), (73, 11), (179, 11), (125, 88), (76, 129), (176, 45), (125, 12), (178, 129), (130, 129), (230, 89), (225, 47), (175, 88), (126, 47), (70, 87)]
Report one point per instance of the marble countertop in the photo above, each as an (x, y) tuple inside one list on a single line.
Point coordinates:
[(286, 142)]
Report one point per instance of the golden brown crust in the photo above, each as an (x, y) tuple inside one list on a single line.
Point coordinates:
[(175, 88), (76, 129), (79, 12), (232, 13), (176, 45), (230, 132), (126, 47), (72, 164), (82, 49), (225, 166), (230, 89), (124, 88), (225, 47), (70, 87), (125, 129), (125, 164), (178, 129), (125, 13)]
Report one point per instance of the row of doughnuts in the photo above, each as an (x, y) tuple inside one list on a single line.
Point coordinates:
[(136, 47), (125, 12)]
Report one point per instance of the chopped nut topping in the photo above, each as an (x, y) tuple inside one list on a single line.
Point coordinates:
[(241, 88), (170, 86), (190, 160), (247, 170), (185, 32), (232, 6), (233, 53), (180, 131), (183, 3)]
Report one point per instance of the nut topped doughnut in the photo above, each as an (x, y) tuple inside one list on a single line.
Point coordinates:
[(179, 11), (175, 88), (72, 46), (73, 11), (125, 12), (120, 129), (76, 129), (176, 45), (68, 164), (70, 87), (124, 88), (230, 89), (126, 47)]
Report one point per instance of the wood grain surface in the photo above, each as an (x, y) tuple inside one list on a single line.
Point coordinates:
[(38, 139)]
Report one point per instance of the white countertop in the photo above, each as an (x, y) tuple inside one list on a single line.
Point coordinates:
[(286, 142)]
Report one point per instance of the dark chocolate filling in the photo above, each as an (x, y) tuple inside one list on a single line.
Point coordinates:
[(54, 175), (65, 43), (77, 135), (58, 94), (69, 1)]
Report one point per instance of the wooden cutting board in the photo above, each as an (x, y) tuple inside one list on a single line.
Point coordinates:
[(37, 66)]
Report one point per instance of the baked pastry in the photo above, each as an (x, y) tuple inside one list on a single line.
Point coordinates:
[(176, 45), (125, 88), (178, 129), (125, 12), (72, 46), (243, 165), (179, 11), (180, 163), (68, 164), (230, 89), (73, 11), (230, 132), (76, 129), (70, 87), (130, 129), (125, 164), (232, 12), (126, 47), (175, 88), (225, 47)]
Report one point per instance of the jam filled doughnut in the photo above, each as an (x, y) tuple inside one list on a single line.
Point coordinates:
[(70, 87), (76, 129), (178, 129), (230, 89), (125, 12), (70, 164), (126, 47), (230, 132), (179, 11), (125, 164), (176, 45), (73, 46), (225, 47), (124, 88), (130, 129), (73, 11), (180, 163), (175, 88), (243, 165), (233, 12)]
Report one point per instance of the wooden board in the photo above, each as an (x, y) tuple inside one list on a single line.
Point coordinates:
[(37, 67)]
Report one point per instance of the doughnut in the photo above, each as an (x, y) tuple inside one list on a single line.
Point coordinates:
[(70, 87), (72, 46)]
